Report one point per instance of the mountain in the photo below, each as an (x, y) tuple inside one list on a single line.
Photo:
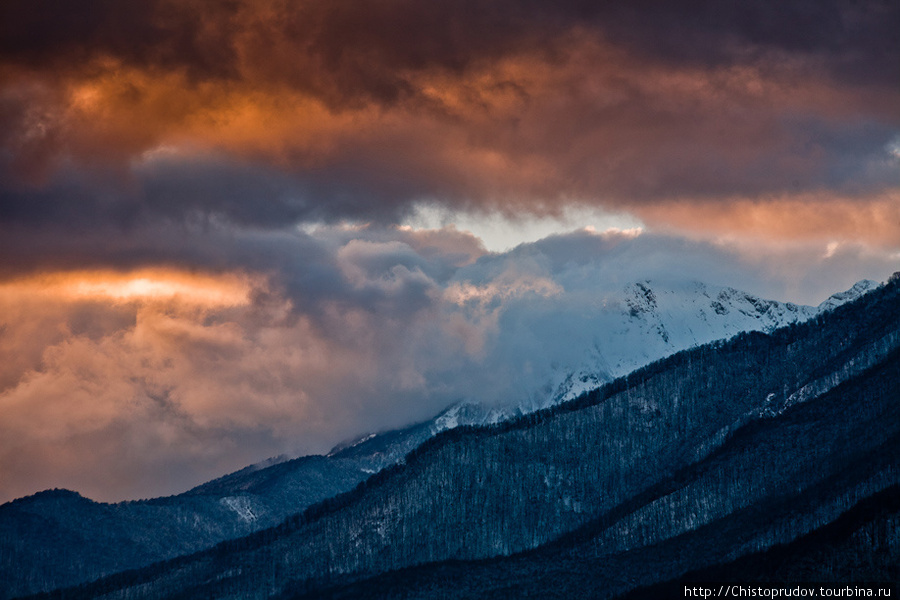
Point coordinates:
[(634, 326), (59, 538), (713, 454), (859, 546), (649, 320)]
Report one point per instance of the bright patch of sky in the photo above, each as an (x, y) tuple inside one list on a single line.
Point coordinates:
[(500, 233)]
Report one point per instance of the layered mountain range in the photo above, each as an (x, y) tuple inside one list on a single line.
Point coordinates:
[(702, 462), (697, 442)]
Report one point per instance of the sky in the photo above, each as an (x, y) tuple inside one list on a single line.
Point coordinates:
[(234, 229)]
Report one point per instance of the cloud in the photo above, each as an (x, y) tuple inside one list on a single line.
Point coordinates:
[(873, 220), (271, 113), (369, 46), (131, 383)]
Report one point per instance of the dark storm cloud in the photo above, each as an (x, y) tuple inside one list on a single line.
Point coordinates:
[(343, 50), (133, 127), (800, 153), (376, 270), (328, 110), (149, 33), (185, 193), (189, 188), (855, 41)]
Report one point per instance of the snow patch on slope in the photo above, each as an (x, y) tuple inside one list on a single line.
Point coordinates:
[(242, 506)]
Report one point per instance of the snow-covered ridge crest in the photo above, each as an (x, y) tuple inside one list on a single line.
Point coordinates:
[(659, 318), (638, 324), (859, 288)]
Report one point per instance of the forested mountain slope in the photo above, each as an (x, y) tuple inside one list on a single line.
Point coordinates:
[(862, 545), (766, 484), (58, 538), (800, 423)]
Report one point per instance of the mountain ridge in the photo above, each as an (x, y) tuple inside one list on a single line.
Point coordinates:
[(238, 494), (664, 422)]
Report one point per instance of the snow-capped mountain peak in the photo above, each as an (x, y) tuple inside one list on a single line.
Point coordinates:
[(859, 288), (643, 322)]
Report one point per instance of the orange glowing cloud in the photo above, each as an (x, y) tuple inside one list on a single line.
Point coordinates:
[(42, 310), (147, 285), (523, 131), (821, 218)]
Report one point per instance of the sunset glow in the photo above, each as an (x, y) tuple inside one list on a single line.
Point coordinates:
[(232, 230), (141, 286)]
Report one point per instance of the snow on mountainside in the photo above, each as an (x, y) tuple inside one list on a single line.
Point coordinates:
[(859, 288), (650, 320), (634, 326)]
